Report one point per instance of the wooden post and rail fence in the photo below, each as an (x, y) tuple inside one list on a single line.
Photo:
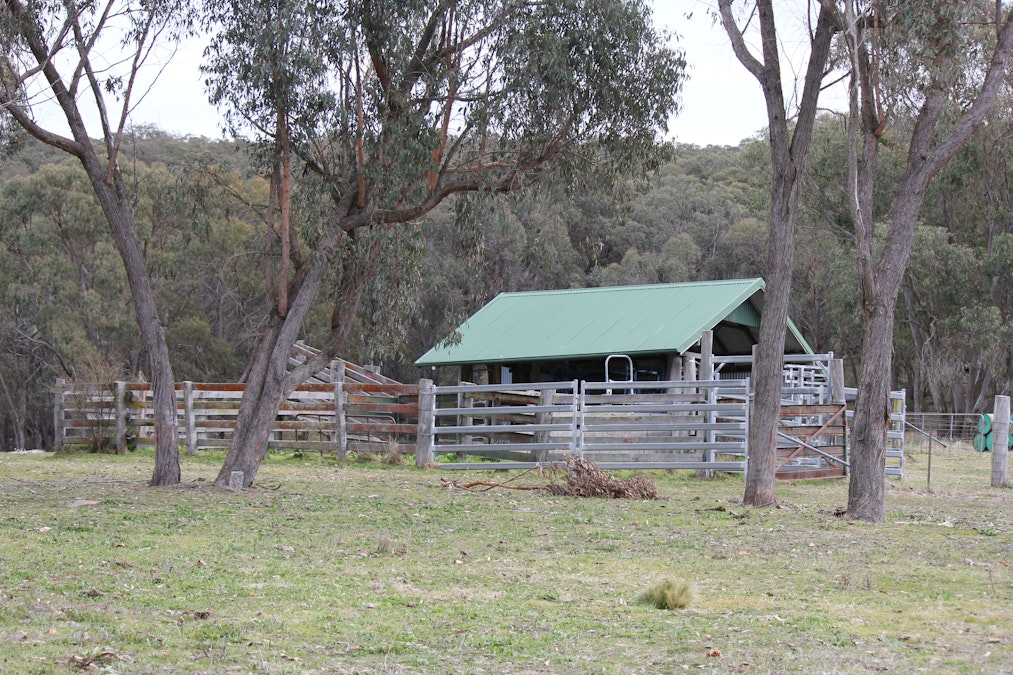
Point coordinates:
[(681, 424), (326, 417)]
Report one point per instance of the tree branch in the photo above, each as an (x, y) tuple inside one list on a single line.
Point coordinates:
[(25, 121), (416, 67), (742, 53), (812, 85), (993, 82), (84, 48)]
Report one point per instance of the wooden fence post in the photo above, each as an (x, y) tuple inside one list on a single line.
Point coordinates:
[(577, 409), (837, 381), (427, 423), (340, 397), (707, 373), (1000, 441), (121, 418), (750, 407), (544, 399), (467, 420), (191, 419), (59, 429)]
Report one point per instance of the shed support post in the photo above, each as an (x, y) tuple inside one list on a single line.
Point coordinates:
[(674, 368), (1000, 441), (427, 421)]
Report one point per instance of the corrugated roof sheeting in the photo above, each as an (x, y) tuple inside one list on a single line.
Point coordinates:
[(592, 322)]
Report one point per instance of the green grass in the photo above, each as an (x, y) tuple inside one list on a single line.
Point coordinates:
[(367, 568)]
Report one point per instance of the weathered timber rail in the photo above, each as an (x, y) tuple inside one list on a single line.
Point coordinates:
[(812, 441), (321, 417)]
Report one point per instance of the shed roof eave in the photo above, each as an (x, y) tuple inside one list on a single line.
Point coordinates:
[(422, 362)]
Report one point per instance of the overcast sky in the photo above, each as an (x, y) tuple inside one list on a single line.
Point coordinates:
[(722, 103)]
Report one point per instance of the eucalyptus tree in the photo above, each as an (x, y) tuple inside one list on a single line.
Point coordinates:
[(971, 201), (944, 64), (789, 145), (958, 333), (387, 108), (62, 289), (70, 73)]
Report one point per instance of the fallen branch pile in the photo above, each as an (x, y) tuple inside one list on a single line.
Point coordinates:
[(585, 479)]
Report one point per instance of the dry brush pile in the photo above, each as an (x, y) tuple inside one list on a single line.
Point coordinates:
[(586, 479)]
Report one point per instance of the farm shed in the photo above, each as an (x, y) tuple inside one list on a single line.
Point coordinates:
[(640, 333)]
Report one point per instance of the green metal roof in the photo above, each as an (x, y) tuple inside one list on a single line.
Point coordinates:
[(595, 322)]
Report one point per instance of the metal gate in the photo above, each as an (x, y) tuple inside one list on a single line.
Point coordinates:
[(685, 424)]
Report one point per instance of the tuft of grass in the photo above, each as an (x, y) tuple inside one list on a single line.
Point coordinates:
[(668, 594), (392, 455), (364, 456), (387, 546)]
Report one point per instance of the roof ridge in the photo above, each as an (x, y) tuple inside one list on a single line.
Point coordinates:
[(606, 289)]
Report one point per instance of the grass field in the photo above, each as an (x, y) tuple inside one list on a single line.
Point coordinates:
[(365, 568)]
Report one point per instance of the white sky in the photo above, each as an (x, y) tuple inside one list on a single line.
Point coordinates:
[(721, 102)]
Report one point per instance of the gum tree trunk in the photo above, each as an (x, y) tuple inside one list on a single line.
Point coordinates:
[(867, 485), (119, 215), (66, 28), (788, 150)]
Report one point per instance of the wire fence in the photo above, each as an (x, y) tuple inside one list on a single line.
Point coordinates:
[(945, 426), (941, 433)]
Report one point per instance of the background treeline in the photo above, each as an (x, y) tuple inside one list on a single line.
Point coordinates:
[(200, 209)]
